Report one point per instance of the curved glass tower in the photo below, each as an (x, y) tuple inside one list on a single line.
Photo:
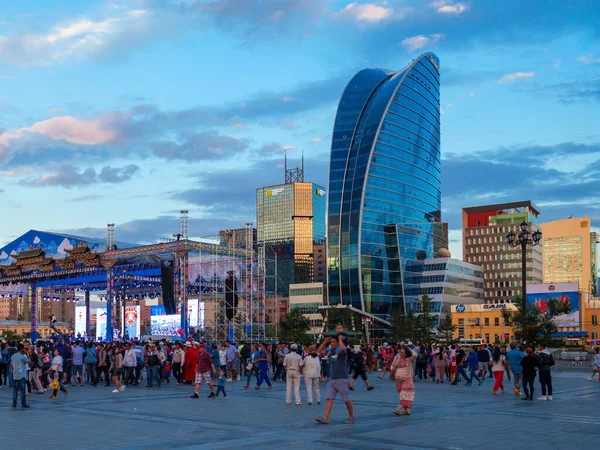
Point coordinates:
[(384, 185)]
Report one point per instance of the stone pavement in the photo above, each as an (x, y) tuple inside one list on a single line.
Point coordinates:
[(444, 417)]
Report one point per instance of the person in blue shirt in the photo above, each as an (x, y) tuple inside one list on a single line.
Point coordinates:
[(19, 362), (221, 384), (514, 357), (473, 363), (253, 359)]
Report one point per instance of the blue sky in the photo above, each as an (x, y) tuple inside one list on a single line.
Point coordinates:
[(128, 111)]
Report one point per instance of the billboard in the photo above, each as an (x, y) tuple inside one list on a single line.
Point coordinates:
[(196, 312), (164, 325), (101, 323), (131, 317), (540, 294), (80, 318)]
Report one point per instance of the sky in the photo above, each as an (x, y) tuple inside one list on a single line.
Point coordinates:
[(128, 111)]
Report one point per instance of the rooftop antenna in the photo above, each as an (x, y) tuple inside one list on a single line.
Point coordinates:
[(295, 175), (110, 237), (285, 165)]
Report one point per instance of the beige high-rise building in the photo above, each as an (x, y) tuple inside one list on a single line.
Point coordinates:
[(570, 252)]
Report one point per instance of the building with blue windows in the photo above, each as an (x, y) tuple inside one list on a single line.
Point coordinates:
[(384, 206)]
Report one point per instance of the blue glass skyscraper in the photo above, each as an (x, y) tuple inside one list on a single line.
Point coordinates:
[(384, 185)]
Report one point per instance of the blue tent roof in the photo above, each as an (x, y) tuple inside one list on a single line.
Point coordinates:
[(54, 244), (570, 334)]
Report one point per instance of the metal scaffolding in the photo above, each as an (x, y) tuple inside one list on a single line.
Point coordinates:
[(207, 280)]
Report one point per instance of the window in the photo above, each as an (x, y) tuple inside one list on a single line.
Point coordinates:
[(496, 321), (486, 321), (487, 338)]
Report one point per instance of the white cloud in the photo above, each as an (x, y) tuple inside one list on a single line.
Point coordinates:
[(449, 7), (516, 76), (74, 38), (316, 140), (365, 12), (557, 63), (418, 42), (471, 94), (590, 58), (62, 128)]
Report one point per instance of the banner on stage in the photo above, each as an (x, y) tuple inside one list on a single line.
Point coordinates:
[(80, 319), (131, 317), (101, 323)]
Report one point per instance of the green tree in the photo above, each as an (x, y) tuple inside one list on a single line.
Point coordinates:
[(446, 329), (294, 326), (424, 322), (348, 318), (540, 325), (403, 325)]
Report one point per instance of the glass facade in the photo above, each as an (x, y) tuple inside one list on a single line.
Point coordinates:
[(384, 183), (291, 218)]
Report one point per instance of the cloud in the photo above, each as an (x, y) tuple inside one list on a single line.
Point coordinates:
[(449, 7), (590, 58), (365, 12), (73, 39), (86, 198), (69, 176), (418, 42), (568, 92), (516, 76), (315, 140), (200, 146)]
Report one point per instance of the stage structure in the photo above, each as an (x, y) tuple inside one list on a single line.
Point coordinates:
[(229, 282)]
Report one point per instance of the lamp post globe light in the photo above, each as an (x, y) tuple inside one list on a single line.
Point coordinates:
[(523, 239)]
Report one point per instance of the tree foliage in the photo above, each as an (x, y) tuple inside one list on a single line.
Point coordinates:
[(294, 326), (446, 330), (424, 322), (540, 323), (349, 319), (403, 325)]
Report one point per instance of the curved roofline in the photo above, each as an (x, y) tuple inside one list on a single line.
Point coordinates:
[(406, 70)]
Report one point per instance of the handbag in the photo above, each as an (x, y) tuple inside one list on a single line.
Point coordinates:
[(55, 384), (250, 366)]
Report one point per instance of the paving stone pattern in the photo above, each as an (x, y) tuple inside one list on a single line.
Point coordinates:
[(444, 417)]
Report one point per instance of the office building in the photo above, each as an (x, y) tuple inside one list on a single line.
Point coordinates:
[(484, 230), (447, 281), (570, 252), (384, 185), (307, 298), (291, 220)]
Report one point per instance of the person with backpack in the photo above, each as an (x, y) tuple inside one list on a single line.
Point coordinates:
[(91, 360), (152, 364), (546, 362), (35, 365)]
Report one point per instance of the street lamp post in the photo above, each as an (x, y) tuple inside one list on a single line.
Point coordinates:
[(524, 238)]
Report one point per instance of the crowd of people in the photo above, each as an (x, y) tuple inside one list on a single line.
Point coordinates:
[(55, 366)]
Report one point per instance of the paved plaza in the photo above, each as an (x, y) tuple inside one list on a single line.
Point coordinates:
[(444, 417)]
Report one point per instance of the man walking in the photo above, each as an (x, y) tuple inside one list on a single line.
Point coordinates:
[(204, 367), (232, 355), (78, 352), (338, 377), (152, 364), (293, 367), (514, 357), (460, 365), (130, 363), (19, 362)]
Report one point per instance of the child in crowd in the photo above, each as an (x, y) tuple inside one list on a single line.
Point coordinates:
[(167, 371), (453, 366), (221, 384)]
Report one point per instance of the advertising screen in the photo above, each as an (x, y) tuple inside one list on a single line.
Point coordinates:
[(101, 323), (80, 317), (165, 325), (540, 294), (131, 317)]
